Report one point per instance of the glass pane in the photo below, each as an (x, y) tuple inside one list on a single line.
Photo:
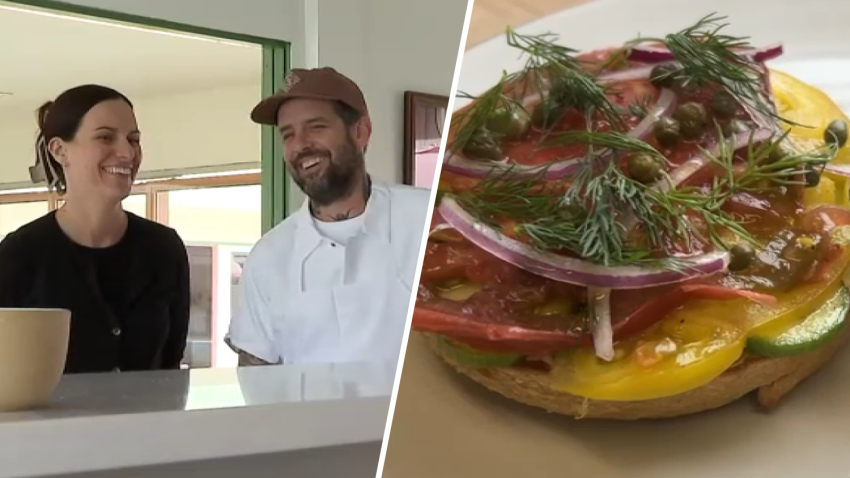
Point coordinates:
[(220, 215), (137, 204), (198, 350), (219, 226), (15, 215)]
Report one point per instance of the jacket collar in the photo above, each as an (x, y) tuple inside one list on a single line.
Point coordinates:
[(376, 224)]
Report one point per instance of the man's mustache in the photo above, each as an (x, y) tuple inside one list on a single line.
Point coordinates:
[(311, 153)]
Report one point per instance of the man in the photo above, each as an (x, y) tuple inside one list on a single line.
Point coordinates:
[(331, 283)]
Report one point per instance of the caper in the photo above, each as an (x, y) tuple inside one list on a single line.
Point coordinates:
[(547, 113), (645, 168), (572, 207), (509, 122), (482, 145), (666, 131), (836, 133), (664, 75), (561, 92), (812, 176), (729, 128), (723, 105), (778, 153), (741, 256), (692, 118)]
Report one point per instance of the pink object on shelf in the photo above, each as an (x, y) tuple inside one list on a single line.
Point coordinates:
[(425, 167)]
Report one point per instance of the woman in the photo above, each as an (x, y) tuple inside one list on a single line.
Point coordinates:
[(124, 278)]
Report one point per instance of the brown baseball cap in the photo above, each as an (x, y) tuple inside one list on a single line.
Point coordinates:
[(323, 83)]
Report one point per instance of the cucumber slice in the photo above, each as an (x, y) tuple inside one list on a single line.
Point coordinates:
[(816, 330), (466, 355)]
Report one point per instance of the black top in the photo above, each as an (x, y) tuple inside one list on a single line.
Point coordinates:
[(129, 302)]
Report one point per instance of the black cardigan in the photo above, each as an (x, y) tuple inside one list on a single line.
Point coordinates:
[(129, 302)]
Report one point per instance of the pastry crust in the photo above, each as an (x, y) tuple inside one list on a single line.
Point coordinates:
[(770, 378)]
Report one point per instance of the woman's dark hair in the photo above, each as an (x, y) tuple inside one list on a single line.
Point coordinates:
[(61, 118)]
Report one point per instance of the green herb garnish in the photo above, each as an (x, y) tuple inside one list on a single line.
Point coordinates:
[(552, 72), (585, 212), (707, 56)]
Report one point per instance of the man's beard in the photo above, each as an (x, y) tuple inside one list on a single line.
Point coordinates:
[(339, 178)]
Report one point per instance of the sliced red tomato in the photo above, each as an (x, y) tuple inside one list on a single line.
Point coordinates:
[(632, 312)]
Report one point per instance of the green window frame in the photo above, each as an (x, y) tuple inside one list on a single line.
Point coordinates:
[(276, 64)]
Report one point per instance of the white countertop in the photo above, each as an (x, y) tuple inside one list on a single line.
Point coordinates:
[(107, 421)]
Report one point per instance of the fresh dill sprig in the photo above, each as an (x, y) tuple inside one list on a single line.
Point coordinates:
[(551, 71), (708, 56), (607, 195), (640, 108), (554, 216), (608, 140), (468, 122), (760, 172), (502, 194), (568, 81), (789, 170), (584, 213)]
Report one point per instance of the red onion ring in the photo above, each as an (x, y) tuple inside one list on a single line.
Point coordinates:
[(458, 163), (842, 170), (663, 107), (570, 270), (630, 74), (603, 331), (658, 54), (440, 227)]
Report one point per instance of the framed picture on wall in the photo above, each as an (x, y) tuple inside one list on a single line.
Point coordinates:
[(424, 115)]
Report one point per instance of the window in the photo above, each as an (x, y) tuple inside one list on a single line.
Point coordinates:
[(218, 215), (137, 204), (15, 214)]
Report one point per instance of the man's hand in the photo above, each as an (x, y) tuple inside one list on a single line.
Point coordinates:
[(246, 359)]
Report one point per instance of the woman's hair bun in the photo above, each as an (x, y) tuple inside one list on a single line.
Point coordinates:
[(42, 113)]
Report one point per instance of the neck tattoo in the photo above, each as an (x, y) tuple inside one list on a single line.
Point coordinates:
[(342, 216), (316, 210)]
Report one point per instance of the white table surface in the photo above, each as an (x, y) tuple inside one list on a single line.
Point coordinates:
[(111, 421)]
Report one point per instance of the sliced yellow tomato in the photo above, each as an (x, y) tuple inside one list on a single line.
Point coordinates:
[(806, 105), (690, 347), (685, 351), (697, 343), (825, 193)]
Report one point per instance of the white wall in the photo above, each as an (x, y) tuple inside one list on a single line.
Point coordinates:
[(387, 46), (390, 46), (190, 130)]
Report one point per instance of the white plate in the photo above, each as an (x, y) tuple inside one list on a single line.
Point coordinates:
[(445, 426), (814, 32)]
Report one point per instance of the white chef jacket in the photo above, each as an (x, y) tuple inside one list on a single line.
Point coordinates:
[(341, 296)]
